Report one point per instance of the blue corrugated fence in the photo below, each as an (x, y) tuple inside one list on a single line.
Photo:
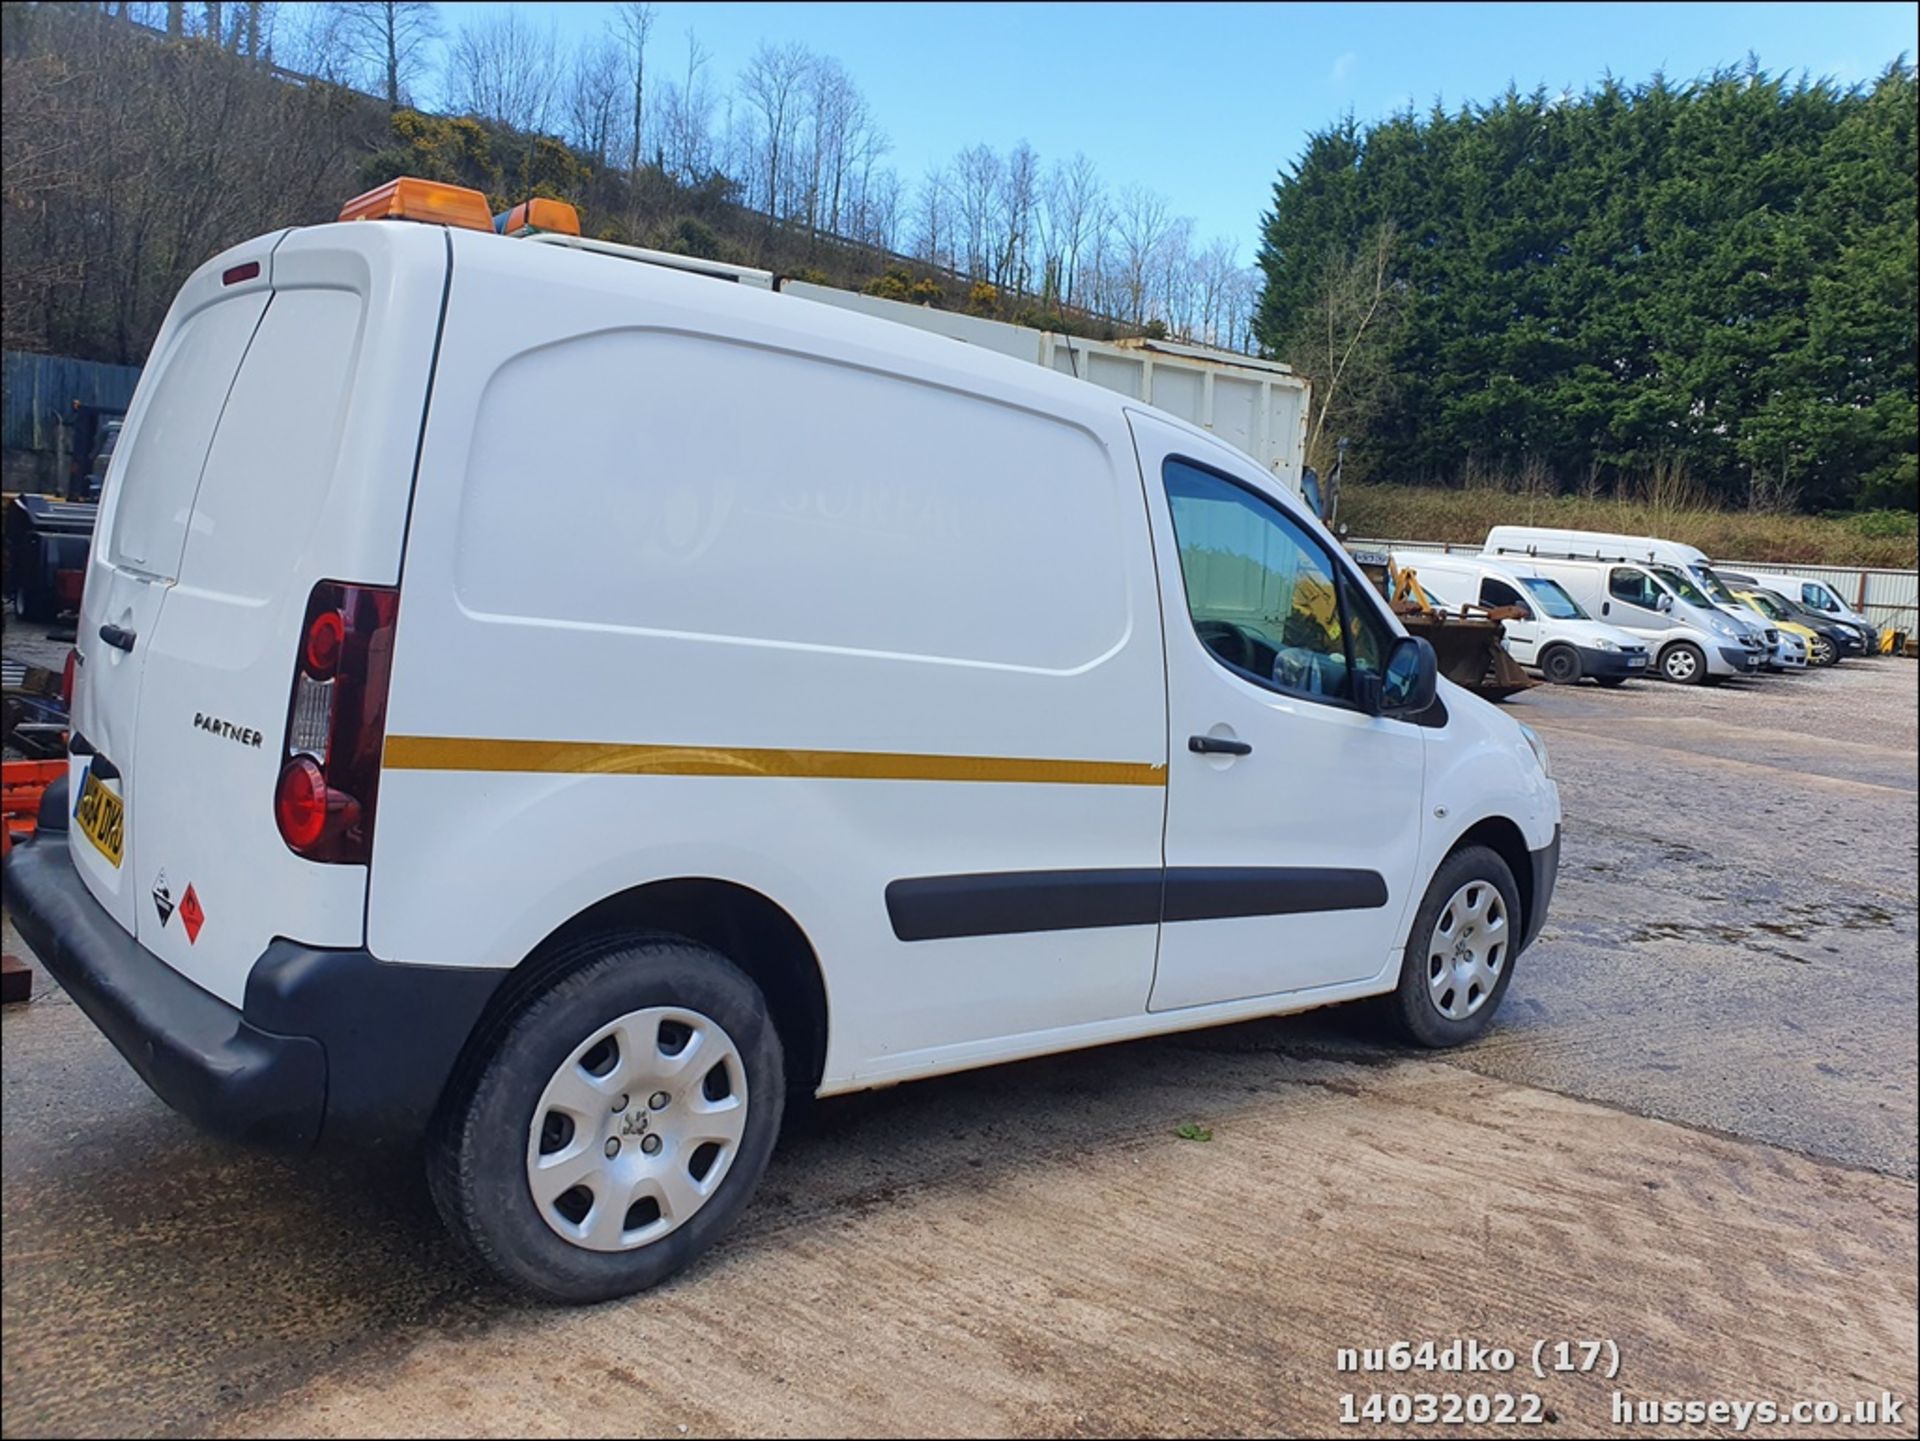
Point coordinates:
[(36, 389)]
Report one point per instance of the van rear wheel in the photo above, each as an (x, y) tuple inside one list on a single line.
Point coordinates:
[(619, 1126), (1460, 952), (1683, 663)]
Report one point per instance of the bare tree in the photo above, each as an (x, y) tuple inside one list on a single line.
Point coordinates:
[(933, 239), (976, 198), (594, 101), (504, 67), (770, 88), (1140, 221), (1345, 341), (683, 112), (390, 38), (1019, 198), (632, 26)]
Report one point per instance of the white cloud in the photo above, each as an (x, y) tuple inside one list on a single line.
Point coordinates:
[(1342, 68)]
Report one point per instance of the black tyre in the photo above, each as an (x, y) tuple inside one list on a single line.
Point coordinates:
[(1561, 665), (34, 603), (1460, 952), (1683, 663), (1610, 681), (619, 1125)]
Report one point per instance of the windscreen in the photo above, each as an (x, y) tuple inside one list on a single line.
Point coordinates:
[(1713, 585), (1761, 602), (1681, 586), (1551, 599)]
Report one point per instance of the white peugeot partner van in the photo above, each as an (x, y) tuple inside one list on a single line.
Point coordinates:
[(1555, 637), (884, 707)]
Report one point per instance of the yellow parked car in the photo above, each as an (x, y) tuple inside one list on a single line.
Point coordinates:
[(1821, 649)]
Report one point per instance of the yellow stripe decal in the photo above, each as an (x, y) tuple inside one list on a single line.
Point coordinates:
[(455, 753)]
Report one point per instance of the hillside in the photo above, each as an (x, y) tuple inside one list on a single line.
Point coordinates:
[(131, 157)]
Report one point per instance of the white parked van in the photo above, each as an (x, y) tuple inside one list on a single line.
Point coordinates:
[(1557, 638), (1815, 594), (1546, 542), (1692, 640), (885, 707)]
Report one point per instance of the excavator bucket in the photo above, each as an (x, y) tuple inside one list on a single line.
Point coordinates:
[(1466, 644)]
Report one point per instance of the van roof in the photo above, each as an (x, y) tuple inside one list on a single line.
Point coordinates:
[(793, 322)]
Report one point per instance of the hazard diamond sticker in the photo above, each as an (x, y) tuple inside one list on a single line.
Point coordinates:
[(191, 916)]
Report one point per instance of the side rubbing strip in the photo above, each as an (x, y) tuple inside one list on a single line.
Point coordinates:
[(933, 908), (1211, 893), (936, 908), (454, 753)]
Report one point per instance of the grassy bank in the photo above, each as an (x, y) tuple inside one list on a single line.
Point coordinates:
[(1404, 512)]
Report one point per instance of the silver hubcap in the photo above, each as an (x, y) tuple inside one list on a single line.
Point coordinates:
[(1680, 664), (1468, 948), (637, 1129)]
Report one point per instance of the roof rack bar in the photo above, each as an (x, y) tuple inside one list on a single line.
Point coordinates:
[(712, 269)]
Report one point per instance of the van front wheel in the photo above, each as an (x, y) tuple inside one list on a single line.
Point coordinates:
[(1460, 952), (620, 1125), (1683, 663), (1561, 665)]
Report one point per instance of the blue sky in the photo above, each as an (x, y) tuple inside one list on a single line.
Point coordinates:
[(1204, 102)]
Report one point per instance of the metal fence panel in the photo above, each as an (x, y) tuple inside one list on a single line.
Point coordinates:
[(35, 389)]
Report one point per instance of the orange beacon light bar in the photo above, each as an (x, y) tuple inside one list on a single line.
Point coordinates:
[(538, 214), (432, 201)]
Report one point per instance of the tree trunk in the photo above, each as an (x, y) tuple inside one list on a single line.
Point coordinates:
[(176, 18), (393, 59)]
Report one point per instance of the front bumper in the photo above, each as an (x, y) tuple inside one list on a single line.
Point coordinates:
[(1543, 866), (1743, 660), (329, 1043), (1607, 664)]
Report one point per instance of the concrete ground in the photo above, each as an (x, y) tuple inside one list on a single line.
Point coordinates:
[(1693, 1135)]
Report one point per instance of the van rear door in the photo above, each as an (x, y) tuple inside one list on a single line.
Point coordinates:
[(138, 539), (304, 475)]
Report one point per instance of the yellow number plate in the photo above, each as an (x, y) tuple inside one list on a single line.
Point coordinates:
[(101, 818)]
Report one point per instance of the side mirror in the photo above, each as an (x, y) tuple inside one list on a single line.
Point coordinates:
[(1666, 604), (1411, 677)]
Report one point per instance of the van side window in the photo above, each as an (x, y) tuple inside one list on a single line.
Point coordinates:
[(1634, 587), (1368, 639), (1263, 594), (1816, 597), (1498, 592)]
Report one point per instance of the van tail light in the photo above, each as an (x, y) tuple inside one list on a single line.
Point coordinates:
[(66, 680), (337, 723)]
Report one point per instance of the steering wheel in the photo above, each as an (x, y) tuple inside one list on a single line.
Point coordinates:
[(1228, 641)]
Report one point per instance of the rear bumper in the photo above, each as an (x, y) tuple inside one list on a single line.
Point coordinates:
[(330, 1044), (1607, 664), (197, 1053), (1544, 866)]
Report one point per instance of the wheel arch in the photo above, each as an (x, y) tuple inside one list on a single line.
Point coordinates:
[(749, 929)]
